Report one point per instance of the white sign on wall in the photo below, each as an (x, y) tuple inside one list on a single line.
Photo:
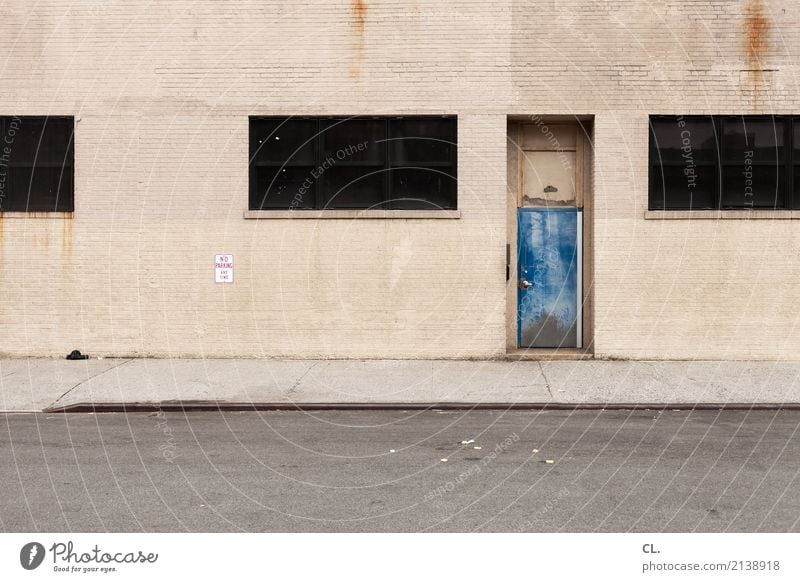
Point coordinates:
[(223, 268)]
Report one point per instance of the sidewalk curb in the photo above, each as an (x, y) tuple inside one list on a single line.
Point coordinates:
[(211, 406)]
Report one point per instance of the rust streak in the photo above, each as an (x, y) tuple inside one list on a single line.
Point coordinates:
[(360, 14), (359, 8), (757, 27), (66, 244)]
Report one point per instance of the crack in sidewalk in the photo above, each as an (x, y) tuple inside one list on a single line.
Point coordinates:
[(57, 400), (546, 381), (297, 382)]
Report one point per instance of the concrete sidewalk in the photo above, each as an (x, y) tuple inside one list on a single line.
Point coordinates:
[(40, 384)]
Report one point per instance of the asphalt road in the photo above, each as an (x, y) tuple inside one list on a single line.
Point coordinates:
[(334, 471)]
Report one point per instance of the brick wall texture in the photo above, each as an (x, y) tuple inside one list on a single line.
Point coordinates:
[(161, 94)]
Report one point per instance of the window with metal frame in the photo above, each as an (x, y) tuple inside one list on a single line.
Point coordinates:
[(327, 163), (724, 162), (36, 164)]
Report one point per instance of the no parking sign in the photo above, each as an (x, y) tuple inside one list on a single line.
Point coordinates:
[(223, 268)]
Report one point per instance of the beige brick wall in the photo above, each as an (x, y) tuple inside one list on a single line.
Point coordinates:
[(161, 93)]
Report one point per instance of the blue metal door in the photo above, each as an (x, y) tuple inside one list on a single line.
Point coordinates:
[(549, 277)]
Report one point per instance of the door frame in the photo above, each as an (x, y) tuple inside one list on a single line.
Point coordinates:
[(584, 199)]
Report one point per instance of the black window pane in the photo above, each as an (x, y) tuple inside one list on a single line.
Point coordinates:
[(39, 189), (283, 141), (683, 140), (746, 187), (36, 158), (330, 163), (37, 141), (287, 188), (422, 189), (417, 141), (682, 188), (353, 187), (796, 139), (354, 140), (796, 187), (754, 139)]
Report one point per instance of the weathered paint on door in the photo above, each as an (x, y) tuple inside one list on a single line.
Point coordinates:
[(549, 277)]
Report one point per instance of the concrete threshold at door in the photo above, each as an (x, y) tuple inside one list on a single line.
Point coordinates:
[(200, 406)]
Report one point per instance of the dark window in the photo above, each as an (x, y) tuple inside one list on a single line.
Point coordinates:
[(406, 163), (724, 162), (36, 164), (422, 156)]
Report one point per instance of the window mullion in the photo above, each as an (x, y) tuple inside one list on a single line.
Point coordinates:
[(718, 127), (788, 163), (252, 166), (388, 203), (318, 163)]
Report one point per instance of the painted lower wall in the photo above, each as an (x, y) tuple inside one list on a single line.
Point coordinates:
[(161, 95)]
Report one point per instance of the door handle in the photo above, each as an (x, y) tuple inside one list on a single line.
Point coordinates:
[(524, 284)]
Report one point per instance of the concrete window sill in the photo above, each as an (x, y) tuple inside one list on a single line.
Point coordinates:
[(722, 215), (350, 214), (58, 215)]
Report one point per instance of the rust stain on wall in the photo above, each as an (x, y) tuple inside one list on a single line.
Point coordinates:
[(45, 232), (756, 38), (360, 14), (359, 9), (66, 243)]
